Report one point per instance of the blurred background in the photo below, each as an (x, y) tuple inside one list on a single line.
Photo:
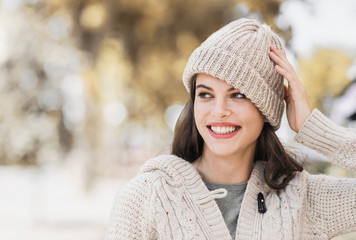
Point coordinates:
[(90, 89)]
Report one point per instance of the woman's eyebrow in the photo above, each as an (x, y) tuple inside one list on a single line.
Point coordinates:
[(203, 86), (209, 88)]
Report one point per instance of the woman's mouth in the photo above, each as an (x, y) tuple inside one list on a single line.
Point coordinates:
[(221, 131)]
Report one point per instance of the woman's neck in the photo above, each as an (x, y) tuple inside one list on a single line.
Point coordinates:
[(223, 169)]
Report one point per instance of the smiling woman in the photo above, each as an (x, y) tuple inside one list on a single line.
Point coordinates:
[(229, 124), (229, 176)]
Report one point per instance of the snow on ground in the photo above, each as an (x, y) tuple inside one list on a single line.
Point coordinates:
[(51, 203)]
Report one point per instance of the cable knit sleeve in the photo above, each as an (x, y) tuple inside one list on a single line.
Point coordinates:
[(130, 213), (331, 201), (336, 143)]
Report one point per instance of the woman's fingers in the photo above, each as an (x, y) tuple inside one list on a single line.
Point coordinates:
[(295, 96), (286, 74), (279, 57), (284, 67)]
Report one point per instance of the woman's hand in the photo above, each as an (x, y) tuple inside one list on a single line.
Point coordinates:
[(298, 108)]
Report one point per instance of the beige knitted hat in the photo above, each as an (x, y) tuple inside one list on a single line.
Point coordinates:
[(238, 54)]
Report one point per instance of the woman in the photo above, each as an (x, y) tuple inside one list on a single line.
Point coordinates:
[(228, 176)]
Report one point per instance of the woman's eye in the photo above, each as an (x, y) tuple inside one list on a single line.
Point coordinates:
[(238, 95), (204, 95)]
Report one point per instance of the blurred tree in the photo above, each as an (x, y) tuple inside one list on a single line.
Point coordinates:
[(156, 39), (267, 9), (130, 51), (324, 75), (30, 127)]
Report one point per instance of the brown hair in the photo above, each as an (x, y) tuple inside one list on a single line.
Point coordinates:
[(188, 145)]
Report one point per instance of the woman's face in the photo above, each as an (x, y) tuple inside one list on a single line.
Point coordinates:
[(228, 122)]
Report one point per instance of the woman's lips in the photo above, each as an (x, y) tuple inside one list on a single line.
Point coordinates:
[(223, 130)]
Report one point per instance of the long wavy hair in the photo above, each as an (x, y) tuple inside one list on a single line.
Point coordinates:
[(188, 144)]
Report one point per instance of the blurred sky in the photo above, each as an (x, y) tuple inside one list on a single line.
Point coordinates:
[(320, 23)]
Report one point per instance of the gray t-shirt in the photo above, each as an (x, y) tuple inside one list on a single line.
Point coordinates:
[(231, 204)]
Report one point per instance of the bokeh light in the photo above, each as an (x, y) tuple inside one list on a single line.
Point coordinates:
[(171, 115), (93, 16), (115, 113)]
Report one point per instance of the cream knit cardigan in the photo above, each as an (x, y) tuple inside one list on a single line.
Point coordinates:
[(168, 199)]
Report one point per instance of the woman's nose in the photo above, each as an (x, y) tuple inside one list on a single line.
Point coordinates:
[(221, 109)]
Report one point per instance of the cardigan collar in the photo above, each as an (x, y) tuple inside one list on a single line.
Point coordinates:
[(180, 173)]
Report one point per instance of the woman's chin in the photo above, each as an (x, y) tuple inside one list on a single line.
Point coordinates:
[(222, 152)]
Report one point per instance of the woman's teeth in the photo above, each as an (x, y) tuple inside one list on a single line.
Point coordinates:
[(223, 130)]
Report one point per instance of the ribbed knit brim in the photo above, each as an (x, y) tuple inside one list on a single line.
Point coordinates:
[(238, 54)]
